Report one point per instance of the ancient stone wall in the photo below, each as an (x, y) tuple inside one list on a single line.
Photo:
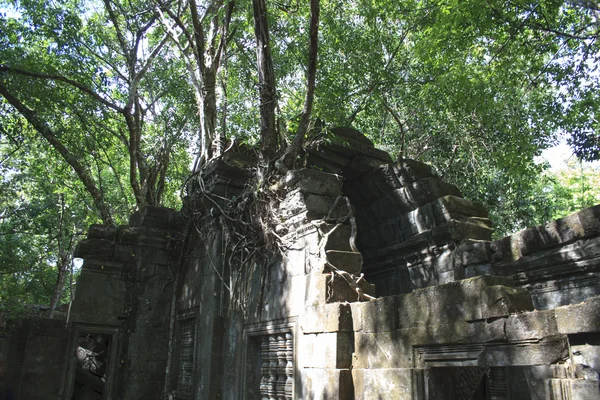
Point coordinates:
[(558, 263), (35, 357), (387, 286), (444, 325), (121, 316)]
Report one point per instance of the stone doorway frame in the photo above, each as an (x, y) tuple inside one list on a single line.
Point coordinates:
[(77, 329), (484, 355)]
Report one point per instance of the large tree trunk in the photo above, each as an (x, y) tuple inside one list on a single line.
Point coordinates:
[(63, 263), (266, 82), (292, 153), (64, 259), (210, 108)]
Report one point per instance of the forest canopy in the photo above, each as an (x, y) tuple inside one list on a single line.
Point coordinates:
[(107, 105)]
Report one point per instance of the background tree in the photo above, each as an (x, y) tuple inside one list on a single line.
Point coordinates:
[(104, 105)]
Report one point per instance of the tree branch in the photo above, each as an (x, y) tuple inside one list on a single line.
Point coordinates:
[(70, 158), (120, 37), (60, 78)]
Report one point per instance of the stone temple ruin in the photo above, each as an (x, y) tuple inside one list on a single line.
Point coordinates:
[(455, 315)]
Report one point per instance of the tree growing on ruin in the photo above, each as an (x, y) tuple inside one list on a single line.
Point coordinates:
[(122, 97)]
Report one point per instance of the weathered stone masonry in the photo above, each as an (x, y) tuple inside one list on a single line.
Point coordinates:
[(456, 316)]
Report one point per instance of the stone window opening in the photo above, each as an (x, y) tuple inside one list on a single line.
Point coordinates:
[(91, 368), (183, 384), (277, 367), (92, 361), (270, 368)]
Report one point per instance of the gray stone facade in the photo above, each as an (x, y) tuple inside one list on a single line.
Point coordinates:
[(423, 306)]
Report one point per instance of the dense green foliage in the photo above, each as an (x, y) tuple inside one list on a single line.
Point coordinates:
[(105, 105)]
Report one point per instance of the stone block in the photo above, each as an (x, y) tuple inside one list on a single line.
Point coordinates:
[(324, 384), (460, 334), (381, 210), (371, 186), (422, 275), (316, 182), (556, 233), (327, 160), (502, 250), (297, 202), (285, 298), (106, 232), (125, 254), (348, 133), (389, 175), (338, 289), (481, 222), (149, 270), (589, 219), (348, 261), (453, 275), (316, 290), (351, 149), (379, 315), (425, 191), (466, 300), (579, 389), (469, 252), (240, 159), (422, 219), (561, 275), (378, 384), (432, 305), (543, 352), (586, 356), (409, 171), (156, 217), (327, 350), (458, 230), (99, 299), (378, 350), (442, 260), (336, 317), (501, 301), (339, 239), (324, 205), (156, 255), (531, 325), (94, 248), (456, 207), (43, 363), (579, 318), (471, 271), (390, 230), (363, 163)]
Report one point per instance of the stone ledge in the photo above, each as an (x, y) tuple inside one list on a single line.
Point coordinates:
[(585, 223), (579, 318), (531, 325), (474, 299)]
